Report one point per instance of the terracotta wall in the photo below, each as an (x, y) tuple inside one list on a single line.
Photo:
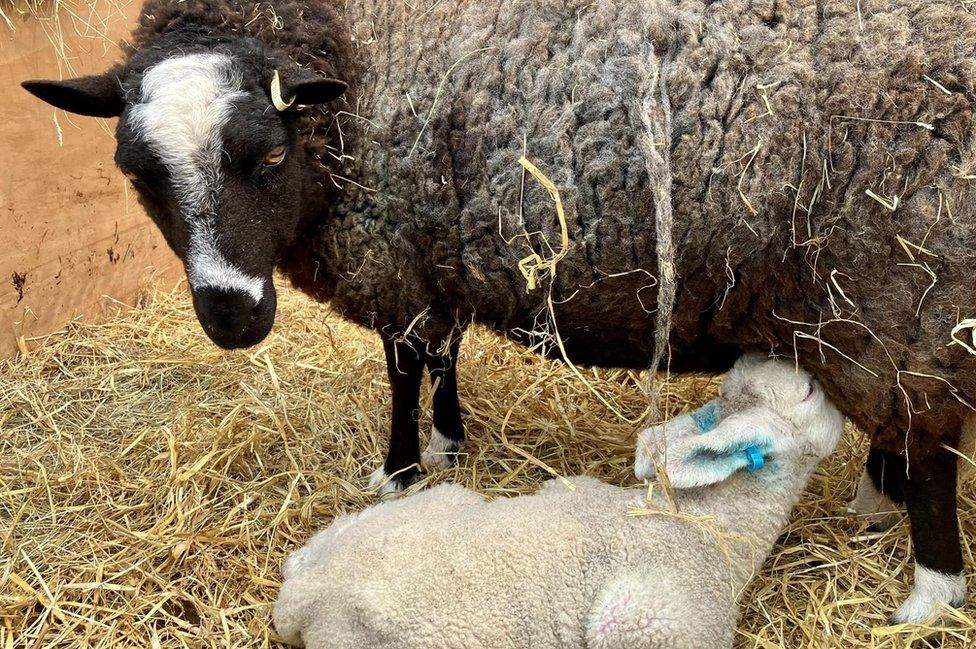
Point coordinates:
[(71, 232)]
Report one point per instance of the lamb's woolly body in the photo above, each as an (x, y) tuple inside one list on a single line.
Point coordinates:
[(775, 230), (587, 566), (520, 572)]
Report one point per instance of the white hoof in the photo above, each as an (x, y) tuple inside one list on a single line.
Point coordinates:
[(383, 484), (440, 452), (933, 591), (873, 504)]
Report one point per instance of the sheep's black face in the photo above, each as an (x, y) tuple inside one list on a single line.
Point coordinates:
[(217, 166)]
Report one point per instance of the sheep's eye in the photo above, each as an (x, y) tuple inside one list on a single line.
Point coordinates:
[(131, 176), (274, 156)]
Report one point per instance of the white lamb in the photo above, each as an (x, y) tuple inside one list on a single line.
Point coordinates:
[(595, 566)]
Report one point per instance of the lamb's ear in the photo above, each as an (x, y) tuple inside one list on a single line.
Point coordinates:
[(653, 442), (303, 88), (99, 95), (740, 441)]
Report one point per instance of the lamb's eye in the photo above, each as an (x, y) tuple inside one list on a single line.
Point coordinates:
[(274, 156), (811, 388), (131, 176)]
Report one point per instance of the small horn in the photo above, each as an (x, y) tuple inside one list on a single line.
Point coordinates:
[(276, 97)]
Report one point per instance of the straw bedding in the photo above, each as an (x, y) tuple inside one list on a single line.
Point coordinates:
[(150, 484), (72, 27)]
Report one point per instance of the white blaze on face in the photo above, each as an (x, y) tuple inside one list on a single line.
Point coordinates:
[(186, 101)]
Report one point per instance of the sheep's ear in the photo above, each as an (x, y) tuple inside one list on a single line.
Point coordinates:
[(98, 95), (740, 441), (303, 88), (316, 91), (653, 442)]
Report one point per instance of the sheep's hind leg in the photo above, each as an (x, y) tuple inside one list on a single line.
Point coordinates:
[(405, 368), (930, 494), (880, 496), (447, 433)]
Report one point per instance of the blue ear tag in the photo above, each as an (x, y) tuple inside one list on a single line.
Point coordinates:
[(754, 458)]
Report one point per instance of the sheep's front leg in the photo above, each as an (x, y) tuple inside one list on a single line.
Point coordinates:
[(447, 434), (405, 368), (930, 495)]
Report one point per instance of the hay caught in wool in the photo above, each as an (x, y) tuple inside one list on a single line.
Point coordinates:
[(150, 484)]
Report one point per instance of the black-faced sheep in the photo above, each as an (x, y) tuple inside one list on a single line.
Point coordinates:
[(594, 566), (817, 164)]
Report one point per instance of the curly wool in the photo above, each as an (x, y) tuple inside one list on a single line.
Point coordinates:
[(780, 246), (785, 118), (824, 276), (443, 569)]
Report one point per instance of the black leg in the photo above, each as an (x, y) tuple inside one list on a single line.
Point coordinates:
[(930, 495), (448, 433), (405, 368), (887, 471)]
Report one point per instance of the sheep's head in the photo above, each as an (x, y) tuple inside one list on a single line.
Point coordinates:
[(769, 412), (214, 154)]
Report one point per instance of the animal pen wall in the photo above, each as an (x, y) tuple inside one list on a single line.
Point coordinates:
[(72, 232)]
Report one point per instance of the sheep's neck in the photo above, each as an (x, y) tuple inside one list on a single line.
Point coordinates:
[(751, 511)]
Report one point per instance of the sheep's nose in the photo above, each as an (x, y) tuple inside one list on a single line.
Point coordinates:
[(231, 317)]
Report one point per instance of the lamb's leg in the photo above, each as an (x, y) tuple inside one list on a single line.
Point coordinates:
[(645, 610), (930, 494), (879, 494), (405, 368), (447, 434)]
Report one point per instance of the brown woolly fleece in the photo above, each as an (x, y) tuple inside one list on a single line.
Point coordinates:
[(785, 118)]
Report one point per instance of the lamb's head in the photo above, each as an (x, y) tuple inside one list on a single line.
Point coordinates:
[(769, 413), (207, 134), (814, 424)]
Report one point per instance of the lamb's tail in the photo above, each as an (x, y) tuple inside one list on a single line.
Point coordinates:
[(636, 612)]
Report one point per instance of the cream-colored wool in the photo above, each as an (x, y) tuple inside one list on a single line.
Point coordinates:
[(589, 566)]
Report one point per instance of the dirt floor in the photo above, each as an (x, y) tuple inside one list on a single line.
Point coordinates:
[(151, 484)]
